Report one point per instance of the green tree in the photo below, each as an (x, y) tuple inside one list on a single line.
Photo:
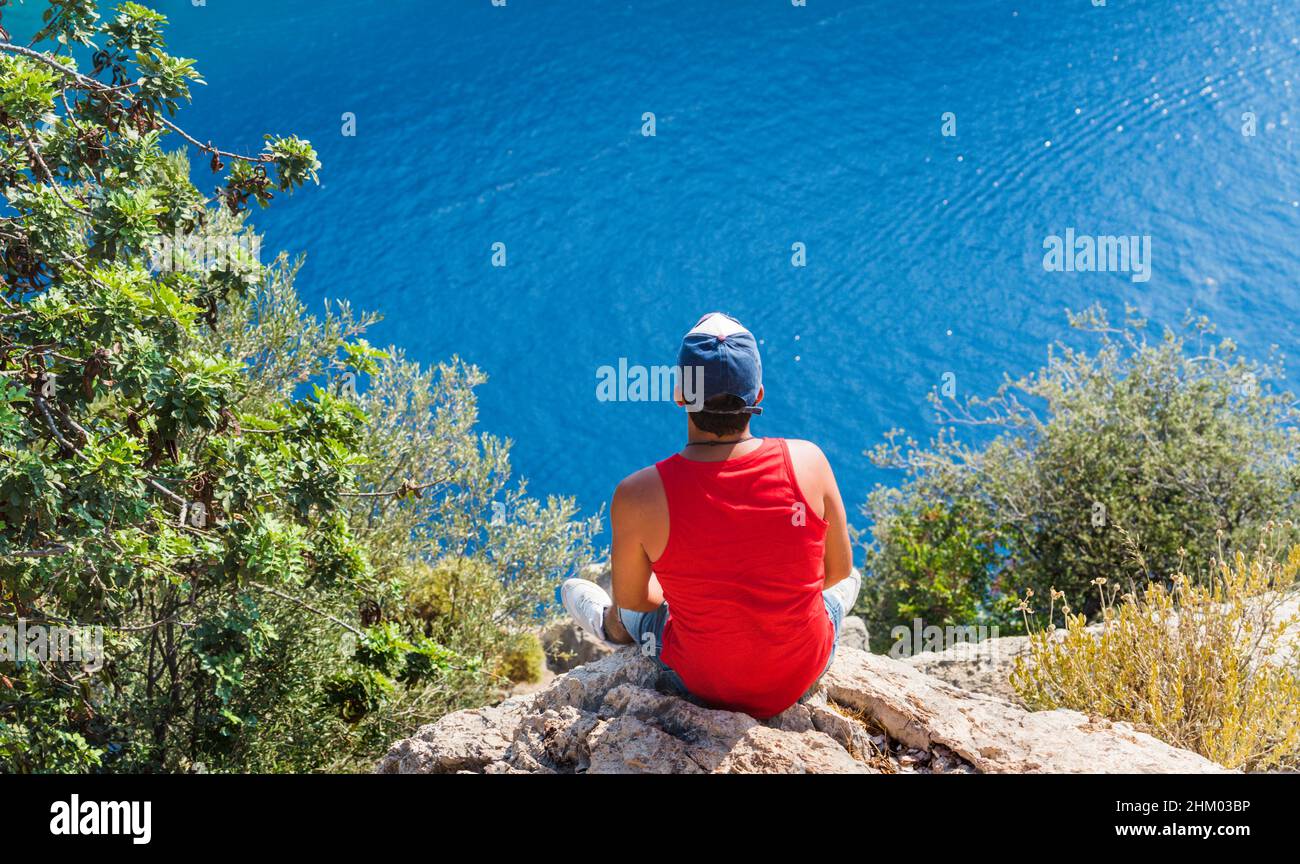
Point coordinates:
[(192, 462)]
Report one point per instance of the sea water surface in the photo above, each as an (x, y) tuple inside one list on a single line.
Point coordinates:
[(775, 124)]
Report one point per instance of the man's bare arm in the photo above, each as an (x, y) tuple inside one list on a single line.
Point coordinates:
[(817, 481), (633, 583), (839, 550)]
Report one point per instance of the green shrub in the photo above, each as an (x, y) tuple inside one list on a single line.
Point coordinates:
[(932, 563), (451, 590), (524, 659), (1107, 464), (459, 601)]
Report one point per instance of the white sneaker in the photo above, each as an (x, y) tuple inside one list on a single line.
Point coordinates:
[(846, 591), (586, 603)]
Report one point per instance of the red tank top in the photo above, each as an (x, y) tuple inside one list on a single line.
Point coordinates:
[(742, 574)]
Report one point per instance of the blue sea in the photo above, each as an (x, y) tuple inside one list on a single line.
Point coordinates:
[(774, 125)]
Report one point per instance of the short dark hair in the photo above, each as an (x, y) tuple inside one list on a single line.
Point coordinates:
[(707, 420)]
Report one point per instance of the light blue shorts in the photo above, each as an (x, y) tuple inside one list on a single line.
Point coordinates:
[(647, 631)]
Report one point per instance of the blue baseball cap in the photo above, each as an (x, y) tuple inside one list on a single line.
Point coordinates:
[(720, 356)]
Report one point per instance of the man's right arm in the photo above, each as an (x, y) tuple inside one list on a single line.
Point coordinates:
[(839, 550), (817, 481)]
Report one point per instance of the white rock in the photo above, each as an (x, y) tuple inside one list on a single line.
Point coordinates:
[(608, 717)]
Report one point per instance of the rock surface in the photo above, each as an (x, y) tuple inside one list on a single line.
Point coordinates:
[(872, 714), (983, 667), (568, 646), (853, 633), (992, 734)]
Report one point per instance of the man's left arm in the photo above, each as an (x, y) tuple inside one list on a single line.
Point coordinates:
[(634, 585)]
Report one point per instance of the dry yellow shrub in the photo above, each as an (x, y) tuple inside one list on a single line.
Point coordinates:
[(1207, 665)]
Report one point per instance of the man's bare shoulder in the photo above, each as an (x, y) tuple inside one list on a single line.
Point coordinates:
[(806, 452), (812, 473), (639, 512), (640, 487)]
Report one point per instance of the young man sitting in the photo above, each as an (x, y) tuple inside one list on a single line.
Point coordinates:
[(731, 558)]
